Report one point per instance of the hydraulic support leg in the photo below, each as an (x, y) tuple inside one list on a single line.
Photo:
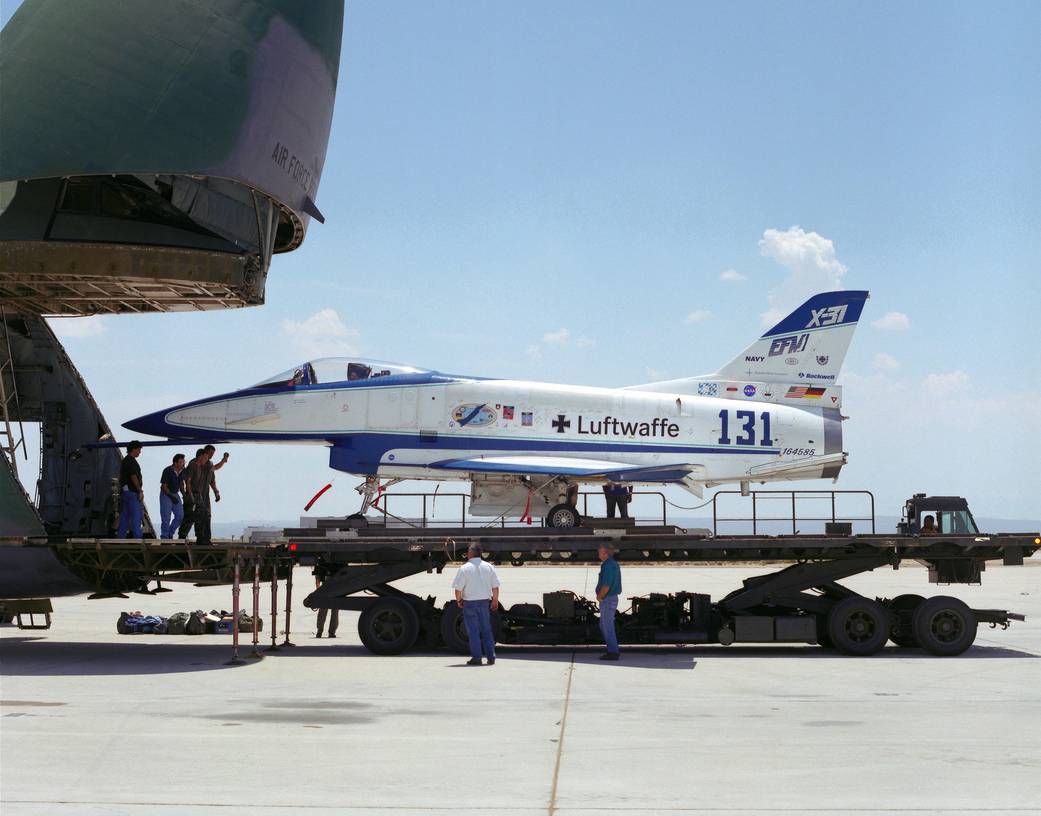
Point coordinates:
[(274, 607), (255, 654), (289, 603), (235, 588)]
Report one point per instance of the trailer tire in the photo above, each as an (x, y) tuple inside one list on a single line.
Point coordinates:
[(902, 608), (823, 638), (564, 516), (389, 626), (944, 626), (858, 626), (453, 630)]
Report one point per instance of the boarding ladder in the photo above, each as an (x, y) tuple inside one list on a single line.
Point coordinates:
[(8, 398)]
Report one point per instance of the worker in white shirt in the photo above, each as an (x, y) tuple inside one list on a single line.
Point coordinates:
[(477, 593)]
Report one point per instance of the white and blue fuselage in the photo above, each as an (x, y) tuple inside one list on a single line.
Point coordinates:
[(386, 420)]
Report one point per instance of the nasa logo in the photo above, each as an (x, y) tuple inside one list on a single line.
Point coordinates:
[(749, 390), (792, 361), (831, 316), (822, 359), (474, 416)]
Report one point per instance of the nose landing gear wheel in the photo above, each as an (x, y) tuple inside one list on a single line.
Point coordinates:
[(563, 515), (389, 626), (944, 626), (858, 626)]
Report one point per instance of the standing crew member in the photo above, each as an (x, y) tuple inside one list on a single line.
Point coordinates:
[(608, 588), (321, 575), (171, 485), (201, 489), (619, 496), (191, 475), (131, 494), (477, 593)]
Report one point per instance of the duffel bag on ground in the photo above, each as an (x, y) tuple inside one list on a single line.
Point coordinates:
[(177, 623)]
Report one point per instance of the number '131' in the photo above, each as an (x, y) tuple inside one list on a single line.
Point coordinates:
[(747, 423)]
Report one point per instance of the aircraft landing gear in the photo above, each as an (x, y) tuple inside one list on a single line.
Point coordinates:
[(563, 515), (368, 490)]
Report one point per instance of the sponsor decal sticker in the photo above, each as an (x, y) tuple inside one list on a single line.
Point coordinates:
[(708, 389), (822, 359), (527, 419), (473, 416), (788, 345), (749, 390), (804, 392), (791, 361), (507, 412)]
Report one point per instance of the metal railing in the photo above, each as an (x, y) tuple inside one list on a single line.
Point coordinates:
[(791, 498), (428, 503)]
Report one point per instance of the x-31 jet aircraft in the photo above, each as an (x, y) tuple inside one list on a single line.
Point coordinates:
[(770, 414)]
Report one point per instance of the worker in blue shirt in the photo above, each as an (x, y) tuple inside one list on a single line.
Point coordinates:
[(608, 588)]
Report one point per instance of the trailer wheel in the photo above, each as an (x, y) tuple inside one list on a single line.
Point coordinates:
[(858, 626), (944, 626), (453, 629), (902, 608), (389, 626), (823, 638), (563, 515)]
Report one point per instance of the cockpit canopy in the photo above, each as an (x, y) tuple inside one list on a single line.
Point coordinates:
[(338, 369)]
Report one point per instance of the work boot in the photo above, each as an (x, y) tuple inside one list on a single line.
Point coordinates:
[(473, 661), (491, 661), (609, 656)]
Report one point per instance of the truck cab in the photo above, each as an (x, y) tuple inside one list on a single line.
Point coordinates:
[(951, 514)]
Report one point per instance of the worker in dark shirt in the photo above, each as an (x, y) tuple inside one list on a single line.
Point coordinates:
[(131, 494), (608, 588), (190, 475), (618, 496), (171, 486), (201, 487)]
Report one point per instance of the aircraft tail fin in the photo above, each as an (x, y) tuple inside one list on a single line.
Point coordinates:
[(807, 346)]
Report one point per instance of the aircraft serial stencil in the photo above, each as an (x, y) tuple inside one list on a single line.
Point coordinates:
[(770, 414)]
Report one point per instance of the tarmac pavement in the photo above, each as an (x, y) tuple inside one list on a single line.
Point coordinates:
[(92, 722)]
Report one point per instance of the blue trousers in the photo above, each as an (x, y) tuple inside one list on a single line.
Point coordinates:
[(608, 608), (477, 616), (171, 514), (131, 513)]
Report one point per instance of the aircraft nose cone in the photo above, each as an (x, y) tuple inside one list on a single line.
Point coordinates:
[(153, 424)]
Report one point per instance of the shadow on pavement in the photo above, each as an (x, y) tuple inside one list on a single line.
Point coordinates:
[(21, 657), (40, 657)]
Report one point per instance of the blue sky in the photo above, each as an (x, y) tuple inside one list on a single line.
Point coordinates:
[(555, 191)]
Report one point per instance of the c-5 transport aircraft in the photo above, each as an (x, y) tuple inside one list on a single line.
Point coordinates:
[(772, 413)]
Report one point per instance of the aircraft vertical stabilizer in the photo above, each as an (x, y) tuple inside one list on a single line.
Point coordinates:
[(808, 346)]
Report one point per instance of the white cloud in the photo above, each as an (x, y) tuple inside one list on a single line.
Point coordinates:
[(885, 362), (698, 316), (558, 337), (323, 334), (534, 351), (77, 327), (948, 382), (732, 275), (811, 264), (892, 321), (585, 342)]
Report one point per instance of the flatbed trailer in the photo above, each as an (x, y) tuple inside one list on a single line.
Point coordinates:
[(801, 602), (359, 560)]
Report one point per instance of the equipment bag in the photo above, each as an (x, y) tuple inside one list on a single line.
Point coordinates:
[(176, 624), (196, 624)]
